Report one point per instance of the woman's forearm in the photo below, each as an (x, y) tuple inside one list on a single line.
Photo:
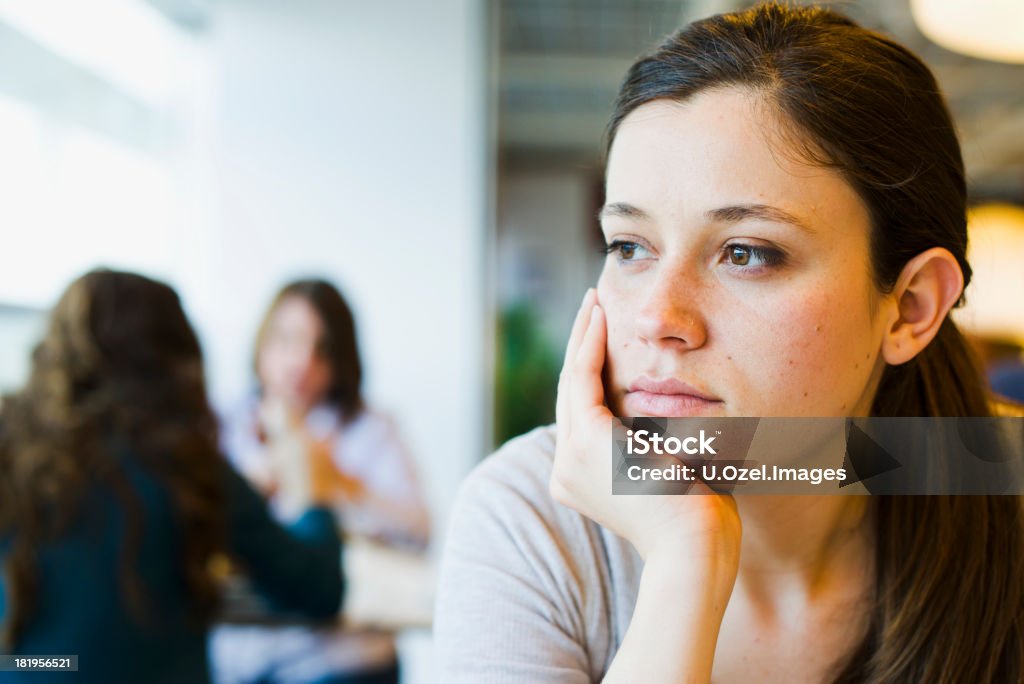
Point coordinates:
[(674, 629)]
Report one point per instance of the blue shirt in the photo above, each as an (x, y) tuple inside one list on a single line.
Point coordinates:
[(80, 605)]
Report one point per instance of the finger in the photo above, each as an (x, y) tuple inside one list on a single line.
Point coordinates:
[(563, 418), (586, 389)]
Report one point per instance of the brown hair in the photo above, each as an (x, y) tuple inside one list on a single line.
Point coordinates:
[(117, 375), (339, 344), (949, 571)]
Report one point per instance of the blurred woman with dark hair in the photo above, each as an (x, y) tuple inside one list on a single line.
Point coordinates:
[(309, 400), (115, 502)]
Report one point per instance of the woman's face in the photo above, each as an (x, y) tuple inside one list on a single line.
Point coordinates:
[(739, 282), (291, 364)]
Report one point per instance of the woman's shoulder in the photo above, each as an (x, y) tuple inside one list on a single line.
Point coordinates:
[(369, 419), (512, 483), (524, 462), (569, 584), (239, 416), (241, 408), (371, 432), (506, 500)]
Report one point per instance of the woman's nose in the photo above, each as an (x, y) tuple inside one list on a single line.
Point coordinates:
[(301, 356), (670, 316)]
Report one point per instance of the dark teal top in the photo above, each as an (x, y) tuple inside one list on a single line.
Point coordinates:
[(80, 606)]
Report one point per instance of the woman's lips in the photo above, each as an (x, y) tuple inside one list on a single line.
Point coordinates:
[(668, 398), (666, 405)]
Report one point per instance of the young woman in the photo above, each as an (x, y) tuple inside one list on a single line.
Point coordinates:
[(785, 221), (115, 502), (310, 401)]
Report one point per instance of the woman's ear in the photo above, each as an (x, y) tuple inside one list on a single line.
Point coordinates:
[(926, 290)]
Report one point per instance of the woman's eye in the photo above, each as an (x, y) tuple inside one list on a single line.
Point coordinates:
[(626, 250), (750, 255)]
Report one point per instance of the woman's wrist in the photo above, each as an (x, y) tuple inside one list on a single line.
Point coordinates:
[(673, 633), (719, 545), (711, 567)]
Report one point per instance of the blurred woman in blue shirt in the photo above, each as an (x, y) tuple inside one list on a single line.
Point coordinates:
[(115, 502)]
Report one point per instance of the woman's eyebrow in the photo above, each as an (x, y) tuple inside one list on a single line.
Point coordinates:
[(621, 209), (730, 214), (765, 212)]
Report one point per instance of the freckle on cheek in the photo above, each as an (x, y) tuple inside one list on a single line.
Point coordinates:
[(817, 328)]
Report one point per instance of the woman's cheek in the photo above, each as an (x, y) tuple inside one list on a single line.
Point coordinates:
[(822, 363), (616, 348), (613, 305)]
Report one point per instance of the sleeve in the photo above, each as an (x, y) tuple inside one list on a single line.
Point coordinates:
[(393, 508), (297, 568), (510, 601)]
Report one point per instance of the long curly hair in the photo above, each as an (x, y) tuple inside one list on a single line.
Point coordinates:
[(117, 375)]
